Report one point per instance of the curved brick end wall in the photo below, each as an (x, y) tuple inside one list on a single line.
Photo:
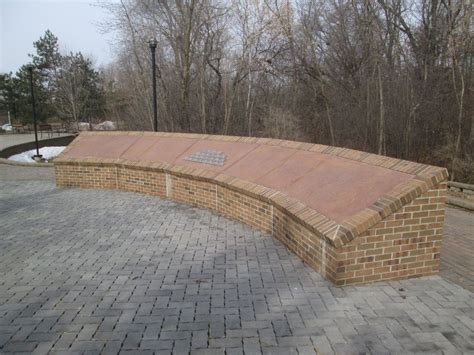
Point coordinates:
[(354, 217)]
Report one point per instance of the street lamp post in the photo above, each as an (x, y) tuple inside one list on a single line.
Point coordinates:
[(152, 43), (38, 156)]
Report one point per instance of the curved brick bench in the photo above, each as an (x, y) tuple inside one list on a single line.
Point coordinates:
[(355, 217)]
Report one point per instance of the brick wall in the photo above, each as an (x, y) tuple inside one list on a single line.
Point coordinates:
[(403, 245), (137, 180), (86, 176), (309, 246), (397, 237), (194, 192), (244, 208)]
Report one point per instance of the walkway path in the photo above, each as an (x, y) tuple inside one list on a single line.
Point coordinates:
[(457, 255), (103, 271), (8, 140)]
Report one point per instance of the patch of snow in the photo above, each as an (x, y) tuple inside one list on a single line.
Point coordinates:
[(46, 152), (7, 127), (83, 126), (105, 126)]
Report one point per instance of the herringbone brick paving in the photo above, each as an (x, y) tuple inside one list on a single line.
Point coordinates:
[(457, 257), (104, 271)]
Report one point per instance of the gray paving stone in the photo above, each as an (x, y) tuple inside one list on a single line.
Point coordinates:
[(225, 342), (208, 352), (181, 346), (43, 348), (112, 347), (279, 351), (306, 350), (252, 346), (90, 271), (156, 344), (267, 337), (321, 344), (281, 328), (19, 346), (87, 345), (199, 339), (234, 351), (132, 341)]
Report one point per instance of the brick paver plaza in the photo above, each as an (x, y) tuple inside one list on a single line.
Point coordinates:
[(103, 271)]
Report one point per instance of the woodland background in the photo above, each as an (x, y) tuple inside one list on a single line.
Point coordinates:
[(394, 77)]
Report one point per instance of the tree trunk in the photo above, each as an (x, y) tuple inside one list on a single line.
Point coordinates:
[(248, 108), (460, 100), (381, 148), (203, 100)]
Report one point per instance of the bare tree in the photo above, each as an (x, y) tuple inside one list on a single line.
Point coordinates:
[(387, 76), (74, 85)]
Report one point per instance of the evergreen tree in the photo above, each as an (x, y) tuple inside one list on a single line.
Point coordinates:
[(47, 55), (66, 86), (15, 93), (15, 96), (21, 83)]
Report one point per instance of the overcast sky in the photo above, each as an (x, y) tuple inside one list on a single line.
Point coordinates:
[(73, 21)]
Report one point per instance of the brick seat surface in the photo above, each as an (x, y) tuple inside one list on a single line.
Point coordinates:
[(353, 216)]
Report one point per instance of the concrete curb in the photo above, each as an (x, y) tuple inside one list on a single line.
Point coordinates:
[(29, 165), (460, 202)]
